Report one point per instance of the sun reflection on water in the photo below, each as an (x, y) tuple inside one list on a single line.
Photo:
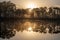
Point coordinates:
[(30, 29)]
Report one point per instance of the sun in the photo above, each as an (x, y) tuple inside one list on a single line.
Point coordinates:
[(31, 5)]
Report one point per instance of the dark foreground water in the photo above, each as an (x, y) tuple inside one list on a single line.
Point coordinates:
[(29, 29)]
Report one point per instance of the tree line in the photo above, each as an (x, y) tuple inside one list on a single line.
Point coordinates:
[(9, 10)]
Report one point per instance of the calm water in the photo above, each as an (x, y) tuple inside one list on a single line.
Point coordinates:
[(29, 30)]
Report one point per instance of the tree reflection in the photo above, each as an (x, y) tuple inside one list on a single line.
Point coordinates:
[(7, 33), (9, 28)]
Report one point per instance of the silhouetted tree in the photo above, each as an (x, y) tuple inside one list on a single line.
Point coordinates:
[(7, 9)]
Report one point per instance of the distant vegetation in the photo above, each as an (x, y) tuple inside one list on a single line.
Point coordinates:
[(9, 10)]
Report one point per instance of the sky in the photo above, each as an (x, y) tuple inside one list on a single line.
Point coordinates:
[(38, 3)]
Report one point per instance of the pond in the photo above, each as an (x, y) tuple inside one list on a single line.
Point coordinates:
[(29, 29)]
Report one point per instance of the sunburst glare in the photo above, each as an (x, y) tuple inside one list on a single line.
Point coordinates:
[(31, 5)]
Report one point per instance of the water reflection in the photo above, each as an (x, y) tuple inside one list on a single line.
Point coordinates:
[(30, 29), (9, 27)]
